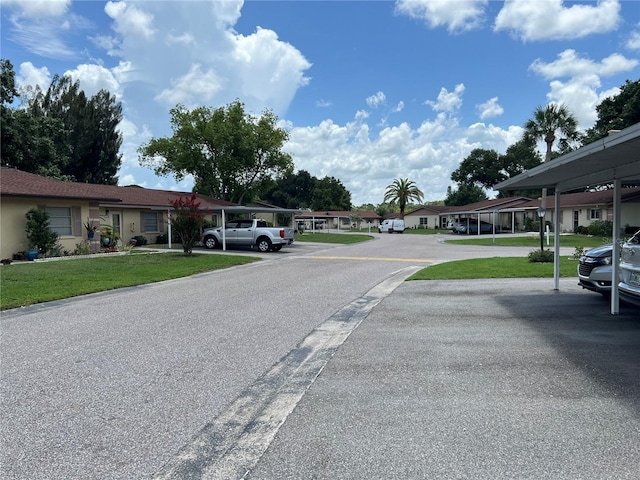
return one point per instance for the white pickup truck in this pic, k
(249, 233)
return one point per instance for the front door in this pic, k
(116, 225)
(576, 220)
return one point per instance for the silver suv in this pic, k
(595, 271)
(629, 285)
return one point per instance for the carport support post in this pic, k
(615, 255)
(556, 241)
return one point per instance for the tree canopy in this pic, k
(232, 155)
(617, 112)
(465, 194)
(61, 133)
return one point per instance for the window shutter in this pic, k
(76, 221)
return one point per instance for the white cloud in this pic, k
(29, 75)
(448, 101)
(570, 64)
(399, 107)
(130, 20)
(552, 20)
(575, 81)
(376, 100)
(323, 103)
(633, 43)
(192, 89)
(490, 108)
(458, 16)
(94, 78)
(39, 8)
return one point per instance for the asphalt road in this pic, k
(320, 362)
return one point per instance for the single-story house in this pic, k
(129, 211)
(428, 216)
(340, 220)
(576, 210)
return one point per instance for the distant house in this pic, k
(129, 211)
(340, 220)
(429, 216)
(576, 209)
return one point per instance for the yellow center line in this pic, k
(379, 259)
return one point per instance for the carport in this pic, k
(614, 160)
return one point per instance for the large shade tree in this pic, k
(403, 191)
(232, 155)
(617, 112)
(61, 133)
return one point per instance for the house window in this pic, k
(595, 214)
(424, 221)
(151, 221)
(60, 220)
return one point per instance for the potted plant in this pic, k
(90, 228)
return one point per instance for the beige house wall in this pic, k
(13, 222)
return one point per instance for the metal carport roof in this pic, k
(614, 159)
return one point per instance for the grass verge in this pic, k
(496, 267)
(532, 241)
(344, 238)
(36, 282)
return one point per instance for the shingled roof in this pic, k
(16, 183)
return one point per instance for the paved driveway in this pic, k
(192, 378)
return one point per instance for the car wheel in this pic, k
(264, 244)
(210, 242)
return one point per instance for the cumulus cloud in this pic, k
(448, 101)
(459, 16)
(192, 88)
(570, 64)
(94, 78)
(130, 20)
(552, 20)
(490, 108)
(29, 75)
(576, 81)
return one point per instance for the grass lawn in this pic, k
(35, 282)
(343, 238)
(530, 241)
(496, 267)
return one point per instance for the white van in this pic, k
(392, 225)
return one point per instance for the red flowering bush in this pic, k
(186, 221)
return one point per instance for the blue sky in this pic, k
(369, 91)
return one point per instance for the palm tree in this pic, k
(403, 191)
(545, 123)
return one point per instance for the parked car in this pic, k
(392, 225)
(629, 286)
(249, 233)
(471, 227)
(595, 270)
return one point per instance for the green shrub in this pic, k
(141, 240)
(544, 256)
(39, 234)
(580, 230)
(82, 248)
(601, 228)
